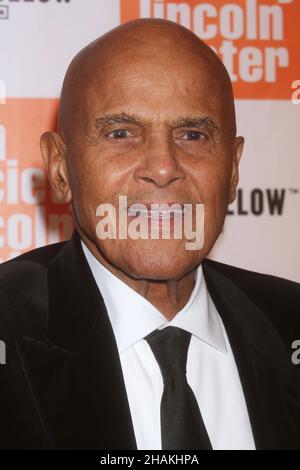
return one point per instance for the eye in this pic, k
(194, 135)
(119, 134)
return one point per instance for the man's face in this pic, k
(141, 139)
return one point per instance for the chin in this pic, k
(159, 263)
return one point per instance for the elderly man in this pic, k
(118, 342)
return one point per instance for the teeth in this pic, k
(156, 214)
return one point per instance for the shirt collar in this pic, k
(133, 317)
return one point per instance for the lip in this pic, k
(149, 211)
(164, 207)
(156, 215)
(149, 205)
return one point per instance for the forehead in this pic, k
(153, 86)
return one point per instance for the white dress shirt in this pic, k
(211, 368)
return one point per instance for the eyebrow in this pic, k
(125, 118)
(117, 118)
(205, 121)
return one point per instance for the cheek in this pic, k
(94, 183)
(103, 176)
(90, 184)
(211, 182)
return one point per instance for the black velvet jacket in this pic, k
(62, 385)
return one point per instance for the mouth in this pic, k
(157, 211)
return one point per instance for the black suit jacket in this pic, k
(62, 385)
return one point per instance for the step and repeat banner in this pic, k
(258, 41)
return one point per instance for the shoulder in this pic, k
(27, 267)
(277, 297)
(24, 289)
(42, 255)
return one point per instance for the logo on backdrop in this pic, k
(6, 4)
(30, 215)
(261, 201)
(254, 38)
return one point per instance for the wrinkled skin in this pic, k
(151, 74)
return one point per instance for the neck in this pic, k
(168, 296)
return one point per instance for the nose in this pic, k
(159, 165)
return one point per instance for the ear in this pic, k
(54, 152)
(238, 149)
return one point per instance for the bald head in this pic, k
(156, 45)
(146, 111)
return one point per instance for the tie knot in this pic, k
(170, 348)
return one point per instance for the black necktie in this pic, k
(182, 425)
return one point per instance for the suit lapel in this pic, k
(75, 374)
(75, 377)
(269, 380)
